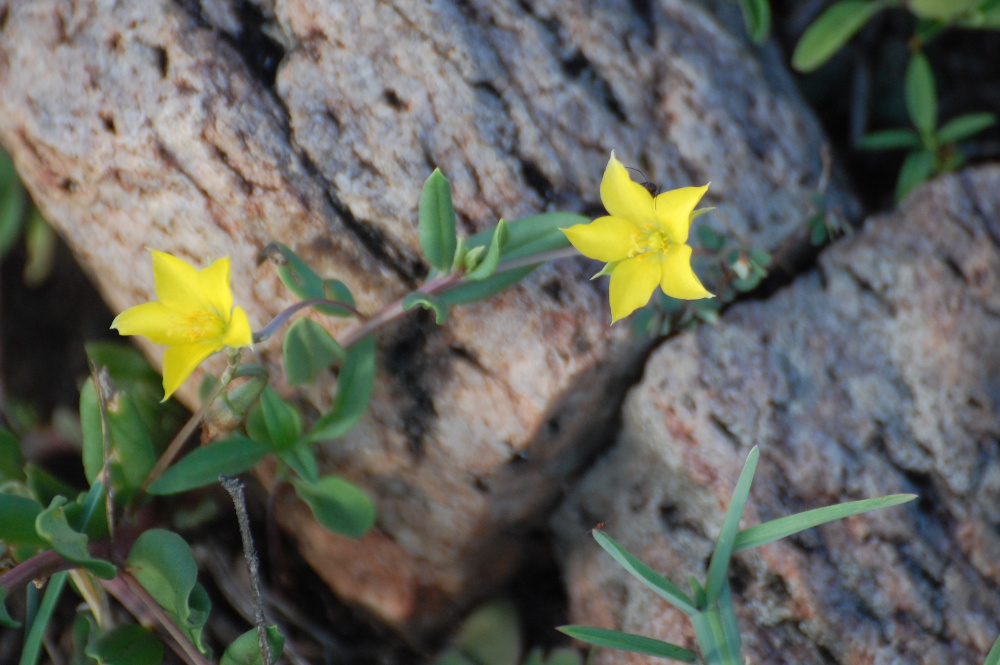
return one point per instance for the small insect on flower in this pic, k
(194, 316)
(649, 185)
(643, 240)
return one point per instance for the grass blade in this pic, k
(627, 642)
(730, 527)
(768, 532)
(645, 574)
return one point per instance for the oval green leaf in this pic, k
(127, 644)
(341, 507)
(354, 391)
(308, 349)
(921, 97)
(203, 466)
(831, 31)
(965, 126)
(436, 226)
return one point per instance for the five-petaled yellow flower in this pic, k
(643, 240)
(194, 316)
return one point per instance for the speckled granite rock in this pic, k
(140, 124)
(877, 373)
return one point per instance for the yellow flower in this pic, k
(643, 240)
(194, 316)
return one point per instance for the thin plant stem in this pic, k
(287, 313)
(38, 567)
(235, 488)
(127, 590)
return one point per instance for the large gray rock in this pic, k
(139, 125)
(877, 373)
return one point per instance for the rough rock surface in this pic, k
(877, 373)
(163, 124)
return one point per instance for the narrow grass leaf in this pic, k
(203, 466)
(627, 642)
(768, 532)
(730, 526)
(831, 31)
(889, 139)
(965, 126)
(645, 574)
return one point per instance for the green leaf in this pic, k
(245, 649)
(831, 30)
(993, 657)
(709, 239)
(130, 451)
(921, 98)
(298, 277)
(338, 505)
(6, 620)
(14, 204)
(308, 350)
(917, 167)
(645, 574)
(561, 656)
(889, 139)
(203, 466)
(437, 222)
(785, 526)
(501, 235)
(336, 290)
(757, 18)
(43, 485)
(965, 126)
(52, 524)
(40, 242)
(473, 291)
(162, 563)
(274, 422)
(302, 460)
(11, 457)
(730, 526)
(354, 392)
(627, 642)
(427, 301)
(942, 10)
(491, 635)
(127, 644)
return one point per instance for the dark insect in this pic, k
(650, 187)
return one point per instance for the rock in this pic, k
(162, 125)
(876, 373)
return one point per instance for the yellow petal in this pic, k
(673, 211)
(632, 283)
(153, 320)
(678, 279)
(605, 239)
(178, 285)
(624, 198)
(239, 333)
(214, 287)
(179, 361)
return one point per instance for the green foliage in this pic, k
(354, 390)
(14, 204)
(489, 636)
(308, 350)
(6, 620)
(127, 644)
(437, 222)
(274, 422)
(993, 657)
(710, 607)
(17, 526)
(429, 302)
(757, 17)
(921, 95)
(338, 505)
(832, 30)
(203, 466)
(53, 526)
(245, 649)
(477, 271)
(162, 563)
(300, 279)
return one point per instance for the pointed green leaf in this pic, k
(274, 422)
(645, 574)
(769, 532)
(308, 350)
(354, 391)
(627, 642)
(486, 267)
(831, 30)
(341, 507)
(302, 460)
(993, 657)
(917, 167)
(965, 126)
(203, 466)
(437, 222)
(730, 526)
(127, 644)
(921, 97)
(889, 139)
(162, 563)
(942, 10)
(427, 301)
(336, 290)
(298, 277)
(245, 649)
(757, 18)
(52, 524)
(17, 521)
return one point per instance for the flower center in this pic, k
(200, 325)
(649, 238)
